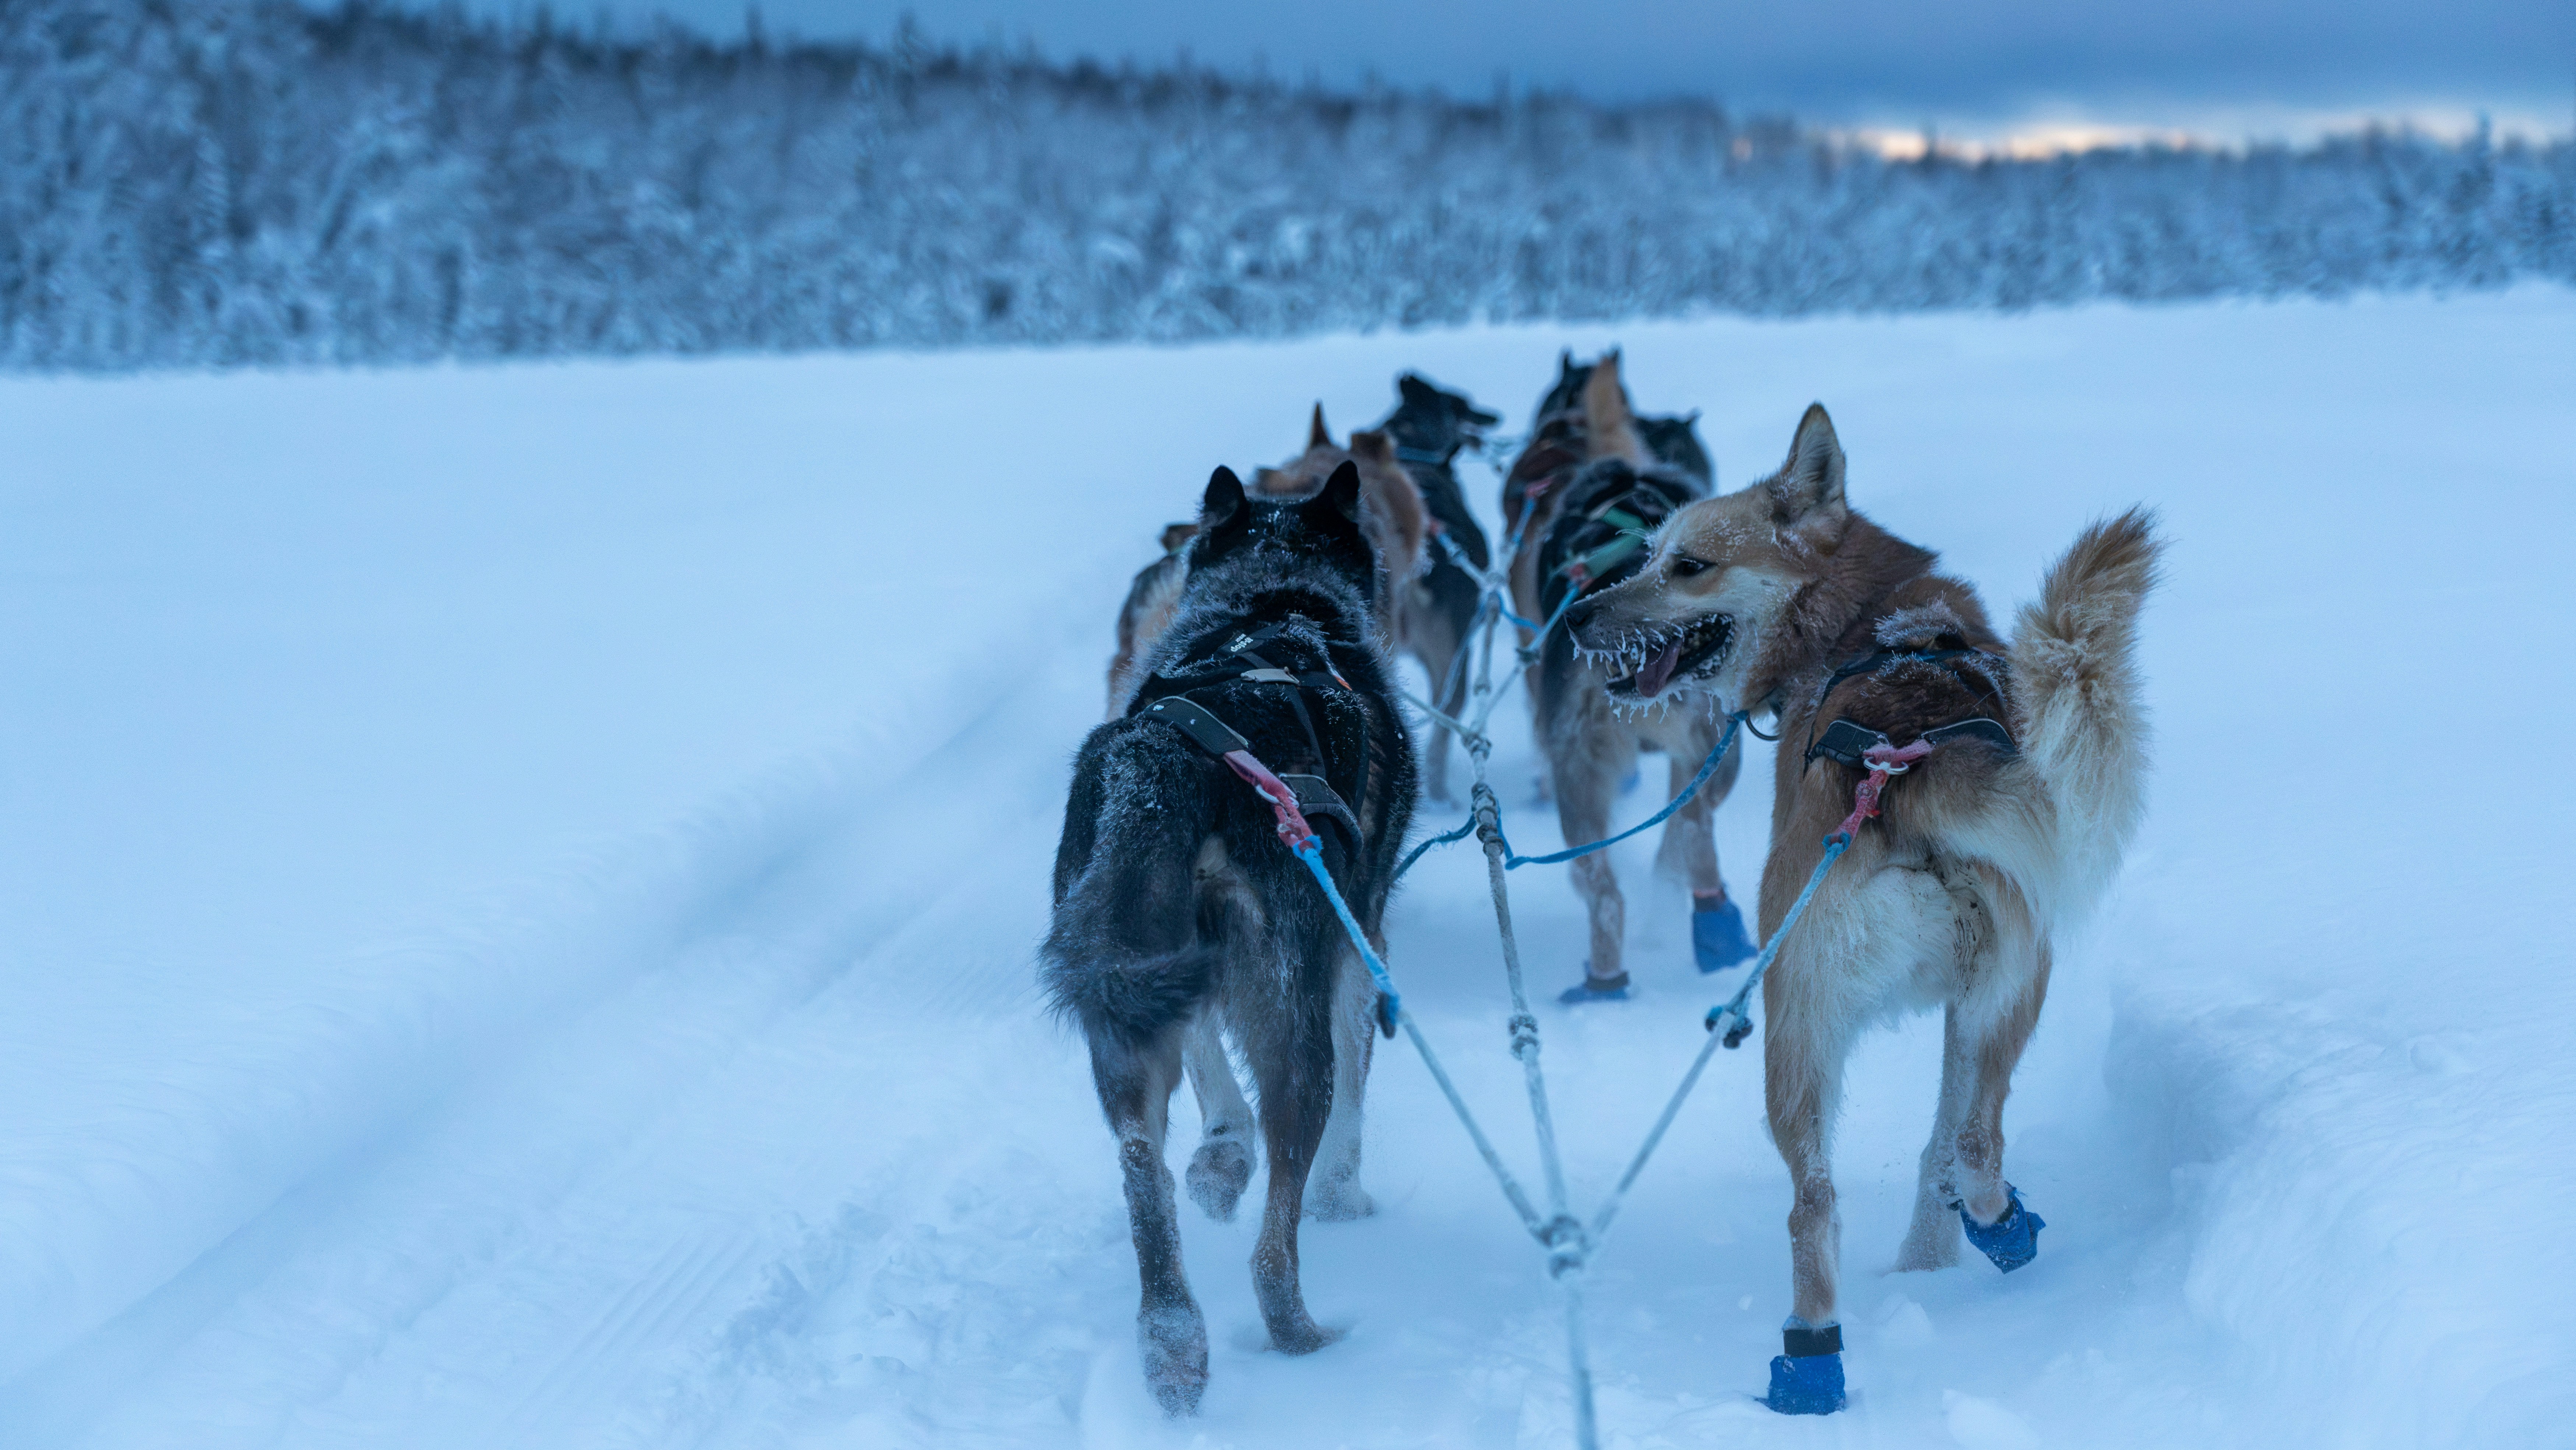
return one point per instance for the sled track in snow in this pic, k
(753, 1134)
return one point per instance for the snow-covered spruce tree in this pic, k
(224, 182)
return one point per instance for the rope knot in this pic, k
(1884, 763)
(1524, 1030)
(1894, 759)
(1568, 1246)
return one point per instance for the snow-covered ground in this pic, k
(517, 890)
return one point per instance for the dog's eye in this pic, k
(1685, 566)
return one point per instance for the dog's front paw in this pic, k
(1718, 937)
(1304, 1338)
(1806, 1386)
(1339, 1202)
(1173, 1342)
(1932, 1242)
(1218, 1172)
(2012, 1240)
(1807, 1378)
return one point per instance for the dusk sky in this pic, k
(2227, 68)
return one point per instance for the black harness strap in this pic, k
(1845, 738)
(1599, 539)
(1213, 735)
(1239, 658)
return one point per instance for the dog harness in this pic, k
(1872, 751)
(1600, 538)
(1239, 658)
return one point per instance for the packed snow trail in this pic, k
(695, 735)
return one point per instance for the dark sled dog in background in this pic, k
(1782, 597)
(1430, 426)
(1177, 906)
(1593, 478)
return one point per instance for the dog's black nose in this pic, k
(1578, 614)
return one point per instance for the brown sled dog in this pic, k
(1414, 618)
(1397, 521)
(1781, 597)
(1592, 464)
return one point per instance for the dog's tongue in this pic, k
(1659, 670)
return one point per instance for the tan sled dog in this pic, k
(1593, 477)
(1152, 600)
(1399, 524)
(1781, 597)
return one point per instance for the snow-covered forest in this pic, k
(246, 181)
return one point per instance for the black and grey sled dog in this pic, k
(1178, 907)
(1430, 426)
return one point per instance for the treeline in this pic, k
(221, 182)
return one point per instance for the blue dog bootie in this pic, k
(1718, 938)
(2012, 1240)
(1593, 989)
(1808, 1379)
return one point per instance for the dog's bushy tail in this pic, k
(2084, 723)
(1126, 954)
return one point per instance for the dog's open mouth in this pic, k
(1660, 659)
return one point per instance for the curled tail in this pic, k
(2083, 724)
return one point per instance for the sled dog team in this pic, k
(2009, 773)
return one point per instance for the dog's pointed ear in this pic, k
(1375, 446)
(1317, 435)
(1810, 484)
(1607, 423)
(1224, 498)
(1342, 491)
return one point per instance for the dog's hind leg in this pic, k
(1587, 768)
(1223, 1163)
(1136, 1082)
(1437, 635)
(1932, 1239)
(1335, 1195)
(1802, 1061)
(1995, 1052)
(1292, 1066)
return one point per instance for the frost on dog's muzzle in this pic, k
(1650, 660)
